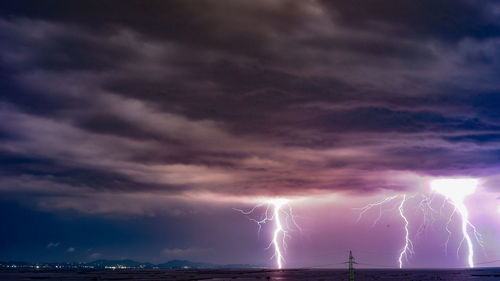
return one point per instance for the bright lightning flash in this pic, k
(282, 217)
(278, 229)
(408, 244)
(408, 247)
(455, 191)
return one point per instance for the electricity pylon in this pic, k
(351, 266)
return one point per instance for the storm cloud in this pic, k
(204, 99)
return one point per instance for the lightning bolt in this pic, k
(408, 247)
(455, 191)
(283, 219)
(448, 229)
(378, 204)
(278, 229)
(428, 213)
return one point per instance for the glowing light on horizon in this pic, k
(455, 192)
(280, 232)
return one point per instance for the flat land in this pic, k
(255, 274)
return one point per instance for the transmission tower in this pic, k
(351, 266)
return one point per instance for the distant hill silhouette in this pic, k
(173, 264)
(103, 263)
(127, 263)
(185, 263)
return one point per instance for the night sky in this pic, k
(134, 129)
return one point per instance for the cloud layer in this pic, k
(104, 106)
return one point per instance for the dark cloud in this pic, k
(444, 20)
(242, 98)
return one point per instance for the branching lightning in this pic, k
(379, 204)
(428, 213)
(455, 191)
(408, 244)
(280, 211)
